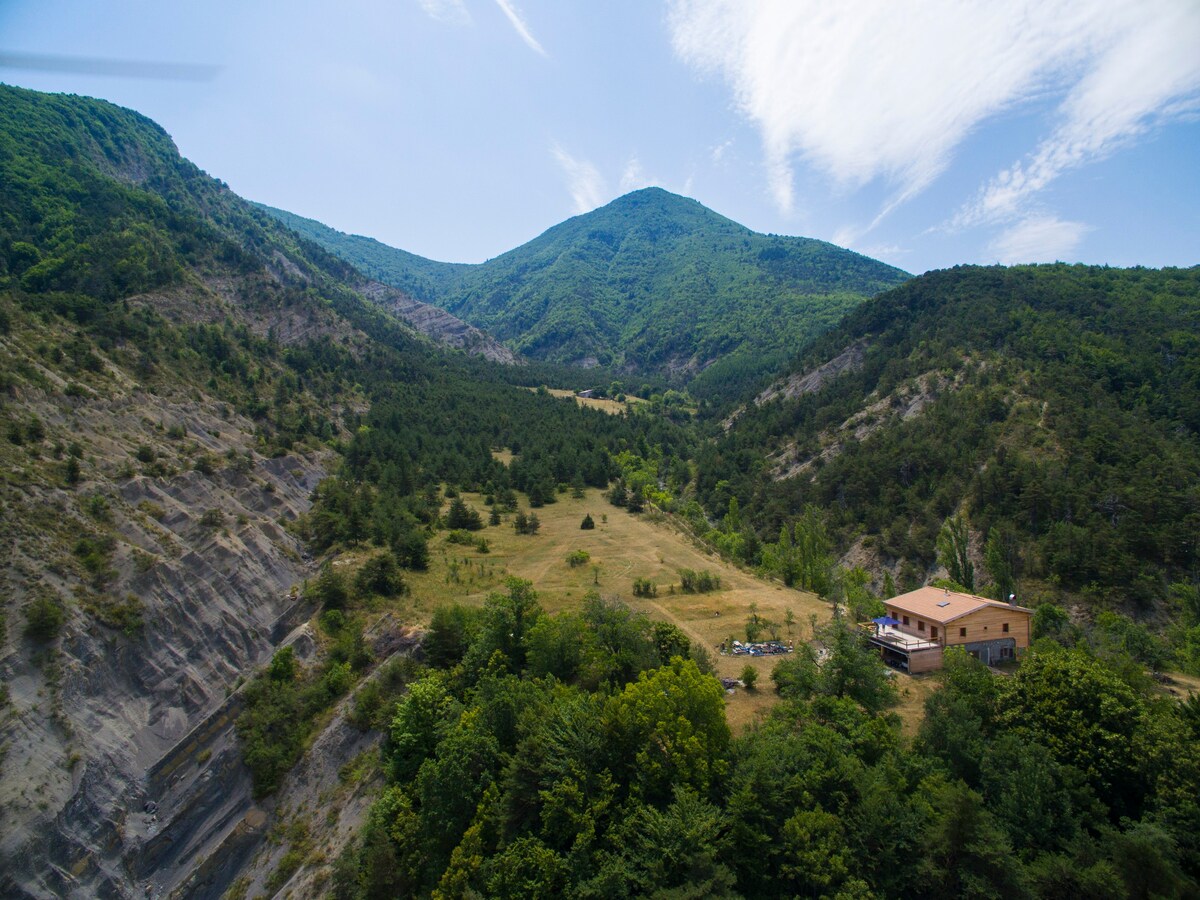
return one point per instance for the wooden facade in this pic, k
(931, 619)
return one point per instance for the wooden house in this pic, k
(921, 624)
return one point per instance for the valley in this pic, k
(313, 586)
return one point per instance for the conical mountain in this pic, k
(652, 282)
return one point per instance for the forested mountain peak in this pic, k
(178, 373)
(651, 282)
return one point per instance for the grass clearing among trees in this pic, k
(624, 546)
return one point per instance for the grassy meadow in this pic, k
(621, 547)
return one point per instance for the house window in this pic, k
(920, 625)
(933, 631)
(1005, 652)
(1004, 628)
(906, 620)
(962, 632)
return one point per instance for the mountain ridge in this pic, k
(1058, 406)
(651, 282)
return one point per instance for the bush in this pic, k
(526, 524)
(44, 619)
(125, 615)
(577, 558)
(212, 519)
(702, 582)
(587, 524)
(329, 589)
(644, 587)
(749, 677)
(380, 575)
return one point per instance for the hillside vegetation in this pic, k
(297, 601)
(1057, 408)
(652, 282)
(178, 373)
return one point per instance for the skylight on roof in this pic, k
(944, 603)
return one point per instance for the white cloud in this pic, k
(519, 24)
(1039, 239)
(634, 176)
(718, 152)
(584, 181)
(885, 89)
(1148, 72)
(452, 12)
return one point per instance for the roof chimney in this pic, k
(1012, 599)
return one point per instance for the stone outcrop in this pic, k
(109, 730)
(436, 323)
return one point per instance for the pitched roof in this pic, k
(938, 605)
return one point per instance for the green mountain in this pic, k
(182, 380)
(652, 282)
(1056, 407)
(194, 402)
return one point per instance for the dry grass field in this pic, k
(612, 407)
(622, 547)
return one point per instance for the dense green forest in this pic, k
(1058, 407)
(587, 755)
(653, 282)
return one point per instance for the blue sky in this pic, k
(922, 132)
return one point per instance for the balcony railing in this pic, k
(891, 636)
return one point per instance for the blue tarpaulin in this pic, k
(886, 620)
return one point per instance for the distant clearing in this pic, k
(621, 549)
(1180, 686)
(612, 407)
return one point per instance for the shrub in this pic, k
(212, 519)
(587, 524)
(749, 677)
(44, 619)
(702, 582)
(644, 587)
(125, 615)
(577, 558)
(462, 516)
(329, 589)
(380, 575)
(526, 524)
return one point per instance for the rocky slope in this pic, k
(436, 323)
(174, 368)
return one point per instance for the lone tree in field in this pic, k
(749, 677)
(587, 524)
(462, 516)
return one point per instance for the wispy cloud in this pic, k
(584, 181)
(453, 12)
(1142, 75)
(1039, 239)
(634, 177)
(519, 24)
(884, 89)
